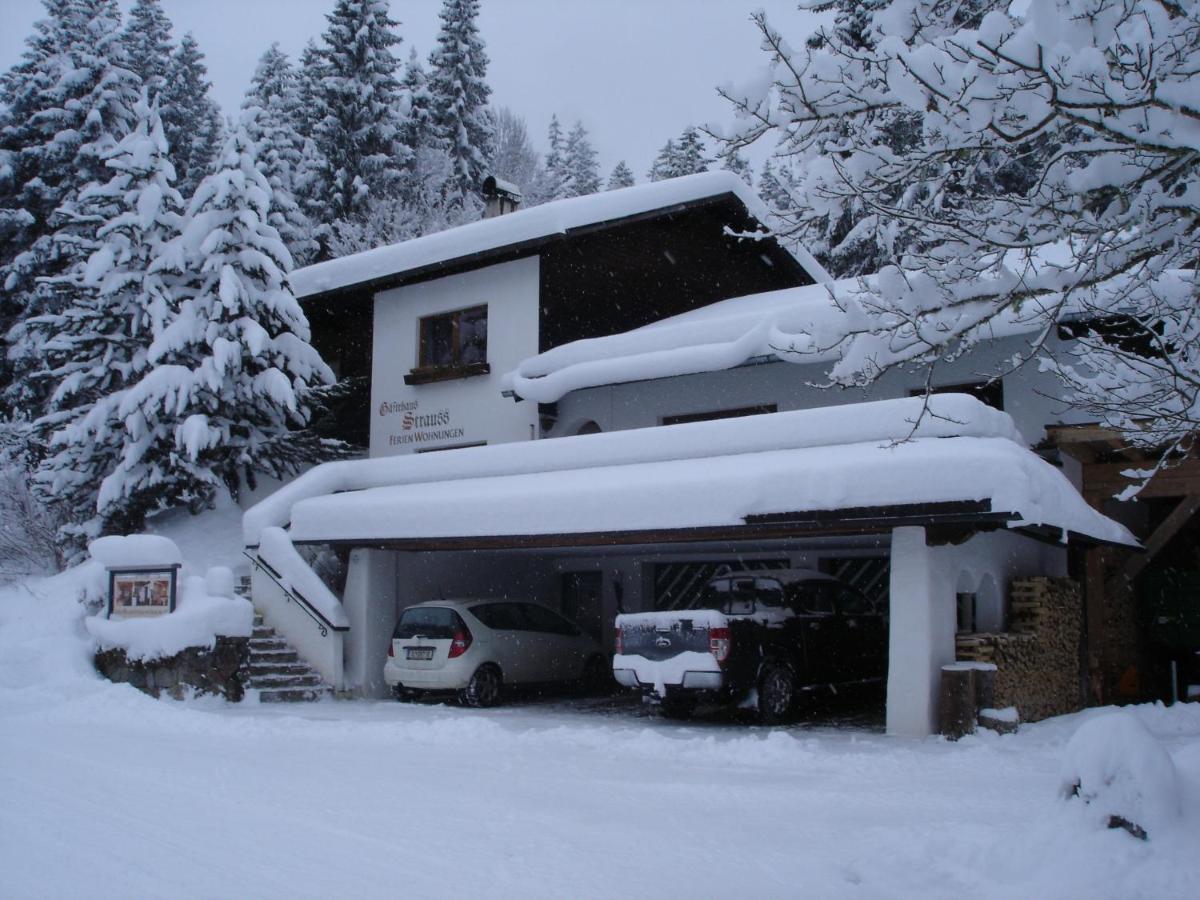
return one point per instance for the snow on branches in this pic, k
(1037, 164)
(230, 373)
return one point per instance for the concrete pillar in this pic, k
(914, 654)
(370, 604)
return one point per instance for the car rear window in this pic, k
(435, 622)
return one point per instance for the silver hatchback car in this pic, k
(478, 647)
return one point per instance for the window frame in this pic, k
(426, 371)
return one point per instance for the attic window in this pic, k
(451, 345)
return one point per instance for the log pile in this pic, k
(1039, 658)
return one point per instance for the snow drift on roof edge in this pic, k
(880, 422)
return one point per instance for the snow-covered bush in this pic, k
(1122, 773)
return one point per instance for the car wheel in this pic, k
(594, 677)
(776, 694)
(483, 690)
(678, 707)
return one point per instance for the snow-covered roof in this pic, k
(696, 475)
(557, 217)
(719, 336)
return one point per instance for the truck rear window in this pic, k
(435, 622)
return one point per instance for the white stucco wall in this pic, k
(790, 386)
(370, 602)
(465, 410)
(924, 582)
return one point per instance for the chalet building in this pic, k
(435, 322)
(646, 333)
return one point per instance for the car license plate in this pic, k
(418, 653)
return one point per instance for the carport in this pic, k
(958, 504)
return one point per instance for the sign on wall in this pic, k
(411, 426)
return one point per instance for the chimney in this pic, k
(499, 196)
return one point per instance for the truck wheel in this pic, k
(776, 694)
(678, 707)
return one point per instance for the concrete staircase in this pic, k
(276, 671)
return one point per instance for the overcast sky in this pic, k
(635, 71)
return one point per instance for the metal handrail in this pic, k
(292, 594)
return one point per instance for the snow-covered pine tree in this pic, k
(232, 372)
(416, 129)
(191, 118)
(273, 92)
(775, 187)
(551, 181)
(308, 89)
(458, 85)
(148, 42)
(74, 109)
(734, 162)
(666, 164)
(621, 177)
(359, 105)
(690, 156)
(96, 347)
(579, 164)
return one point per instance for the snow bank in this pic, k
(1118, 769)
(524, 225)
(198, 619)
(882, 422)
(276, 550)
(132, 551)
(44, 650)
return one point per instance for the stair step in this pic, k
(290, 695)
(305, 680)
(262, 631)
(259, 668)
(267, 644)
(273, 655)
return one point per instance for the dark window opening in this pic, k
(711, 415)
(966, 613)
(989, 392)
(451, 345)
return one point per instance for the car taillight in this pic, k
(718, 644)
(391, 648)
(619, 644)
(461, 642)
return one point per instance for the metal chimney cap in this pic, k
(498, 187)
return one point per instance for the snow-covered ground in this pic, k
(107, 792)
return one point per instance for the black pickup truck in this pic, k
(761, 638)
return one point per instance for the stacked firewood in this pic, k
(1039, 657)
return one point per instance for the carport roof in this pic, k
(714, 488)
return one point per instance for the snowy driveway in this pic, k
(109, 793)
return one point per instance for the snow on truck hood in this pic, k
(703, 474)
